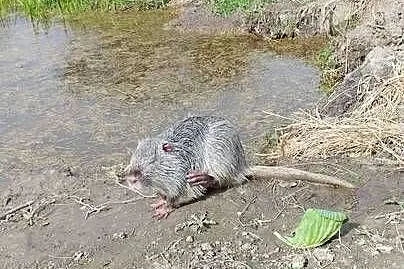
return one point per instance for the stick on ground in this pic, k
(15, 209)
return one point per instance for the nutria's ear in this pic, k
(167, 147)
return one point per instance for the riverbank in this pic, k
(361, 116)
(362, 72)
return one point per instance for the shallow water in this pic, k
(81, 93)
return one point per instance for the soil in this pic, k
(89, 221)
(85, 219)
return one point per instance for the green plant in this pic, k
(228, 7)
(45, 9)
(6, 6)
(331, 73)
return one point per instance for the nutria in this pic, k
(196, 154)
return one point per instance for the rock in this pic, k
(120, 235)
(287, 184)
(206, 246)
(383, 248)
(189, 239)
(378, 64)
(323, 254)
(246, 247)
(299, 261)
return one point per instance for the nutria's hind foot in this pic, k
(161, 208)
(199, 178)
(159, 203)
(162, 212)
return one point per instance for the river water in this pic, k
(82, 93)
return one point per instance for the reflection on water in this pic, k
(83, 93)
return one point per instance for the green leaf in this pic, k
(316, 228)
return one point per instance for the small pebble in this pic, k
(189, 239)
(299, 261)
(246, 246)
(383, 248)
(120, 235)
(206, 246)
(287, 184)
(324, 254)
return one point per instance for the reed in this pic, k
(45, 9)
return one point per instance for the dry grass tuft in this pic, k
(371, 129)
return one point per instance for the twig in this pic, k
(247, 206)
(293, 193)
(91, 208)
(277, 115)
(340, 241)
(399, 242)
(135, 190)
(127, 94)
(101, 207)
(390, 214)
(240, 214)
(15, 209)
(167, 248)
(35, 211)
(278, 214)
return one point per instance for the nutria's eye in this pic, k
(167, 147)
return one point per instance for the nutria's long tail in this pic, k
(286, 173)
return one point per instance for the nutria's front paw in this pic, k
(199, 178)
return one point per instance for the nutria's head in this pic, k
(146, 162)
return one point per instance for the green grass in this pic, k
(6, 6)
(45, 9)
(331, 74)
(228, 7)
